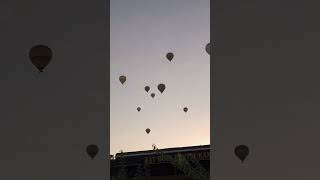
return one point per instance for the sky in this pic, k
(142, 32)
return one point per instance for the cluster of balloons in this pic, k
(161, 87)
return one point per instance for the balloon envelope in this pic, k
(139, 108)
(170, 56)
(241, 151)
(147, 88)
(152, 95)
(208, 48)
(40, 56)
(161, 87)
(122, 79)
(92, 150)
(185, 109)
(148, 130)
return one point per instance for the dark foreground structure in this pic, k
(185, 163)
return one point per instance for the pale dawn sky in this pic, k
(142, 32)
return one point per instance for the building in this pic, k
(172, 163)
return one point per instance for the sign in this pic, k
(166, 158)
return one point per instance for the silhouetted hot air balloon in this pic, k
(152, 95)
(147, 88)
(208, 48)
(40, 56)
(185, 109)
(148, 130)
(170, 56)
(161, 87)
(138, 108)
(241, 151)
(92, 150)
(122, 79)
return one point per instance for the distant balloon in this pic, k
(185, 109)
(122, 79)
(161, 87)
(208, 48)
(92, 150)
(170, 56)
(139, 108)
(241, 151)
(152, 95)
(148, 130)
(40, 56)
(147, 88)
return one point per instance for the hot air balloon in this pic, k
(40, 56)
(147, 88)
(161, 87)
(148, 130)
(241, 152)
(122, 79)
(138, 108)
(152, 95)
(185, 109)
(170, 56)
(208, 48)
(92, 150)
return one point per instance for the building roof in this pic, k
(166, 150)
